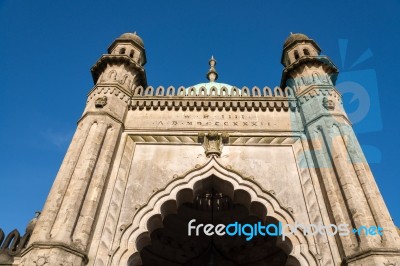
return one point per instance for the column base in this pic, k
(46, 254)
(373, 257)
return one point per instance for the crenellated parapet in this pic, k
(11, 245)
(14, 243)
(214, 98)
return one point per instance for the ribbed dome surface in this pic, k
(295, 37)
(134, 37)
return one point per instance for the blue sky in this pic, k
(48, 47)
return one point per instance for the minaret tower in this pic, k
(352, 196)
(64, 229)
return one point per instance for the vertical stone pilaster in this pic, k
(337, 205)
(63, 232)
(83, 228)
(53, 202)
(349, 185)
(374, 199)
(68, 212)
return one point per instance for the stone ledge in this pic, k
(204, 103)
(372, 252)
(62, 246)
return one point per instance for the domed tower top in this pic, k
(304, 64)
(129, 44)
(296, 46)
(123, 64)
(132, 36)
(295, 37)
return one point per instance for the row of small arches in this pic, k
(123, 51)
(305, 52)
(223, 92)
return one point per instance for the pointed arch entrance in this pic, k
(217, 194)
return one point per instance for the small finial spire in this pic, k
(212, 74)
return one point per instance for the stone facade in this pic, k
(144, 160)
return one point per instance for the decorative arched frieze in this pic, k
(138, 91)
(235, 92)
(224, 91)
(181, 91)
(278, 92)
(267, 92)
(112, 75)
(202, 91)
(149, 91)
(256, 92)
(160, 91)
(213, 91)
(192, 92)
(289, 92)
(245, 91)
(108, 90)
(170, 91)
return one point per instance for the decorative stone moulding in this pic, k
(100, 102)
(332, 94)
(99, 92)
(106, 60)
(213, 142)
(323, 61)
(200, 98)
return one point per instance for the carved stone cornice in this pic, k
(214, 103)
(387, 252)
(315, 91)
(327, 64)
(48, 245)
(319, 88)
(100, 113)
(334, 115)
(125, 60)
(110, 89)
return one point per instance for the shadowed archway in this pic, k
(149, 233)
(170, 244)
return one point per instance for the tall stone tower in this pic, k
(146, 162)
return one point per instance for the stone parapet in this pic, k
(214, 99)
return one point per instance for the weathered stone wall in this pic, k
(290, 151)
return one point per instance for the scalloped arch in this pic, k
(166, 201)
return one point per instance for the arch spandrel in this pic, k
(147, 218)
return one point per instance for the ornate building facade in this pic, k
(146, 161)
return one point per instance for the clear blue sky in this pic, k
(48, 47)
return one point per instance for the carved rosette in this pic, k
(389, 263)
(213, 142)
(41, 260)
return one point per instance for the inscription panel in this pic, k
(213, 120)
